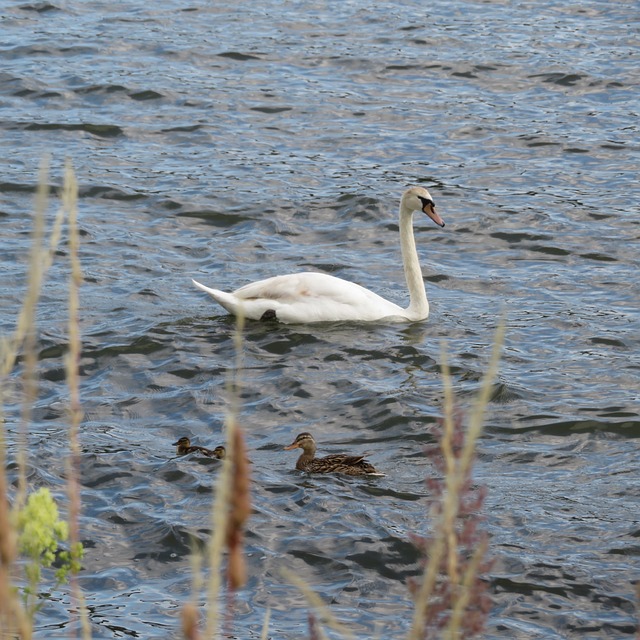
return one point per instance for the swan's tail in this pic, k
(226, 300)
(212, 292)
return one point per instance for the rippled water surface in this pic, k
(231, 141)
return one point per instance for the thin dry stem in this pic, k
(315, 630)
(427, 585)
(28, 330)
(195, 560)
(476, 419)
(13, 617)
(219, 517)
(14, 620)
(453, 479)
(463, 596)
(438, 548)
(70, 202)
(39, 263)
(317, 603)
(239, 511)
(220, 507)
(265, 625)
(190, 619)
(457, 469)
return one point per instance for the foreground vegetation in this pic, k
(450, 597)
(31, 533)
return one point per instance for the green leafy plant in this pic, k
(40, 532)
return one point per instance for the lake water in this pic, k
(230, 142)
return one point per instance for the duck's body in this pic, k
(184, 446)
(319, 297)
(334, 463)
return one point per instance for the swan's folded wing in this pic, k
(314, 296)
(294, 287)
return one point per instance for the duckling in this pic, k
(335, 463)
(184, 446)
(220, 452)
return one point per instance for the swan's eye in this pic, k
(425, 202)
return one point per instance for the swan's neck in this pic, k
(419, 305)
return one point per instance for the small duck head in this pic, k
(303, 441)
(220, 452)
(182, 445)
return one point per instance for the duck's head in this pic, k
(303, 441)
(419, 199)
(182, 443)
(220, 452)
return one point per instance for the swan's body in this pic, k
(319, 297)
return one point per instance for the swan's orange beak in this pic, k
(430, 210)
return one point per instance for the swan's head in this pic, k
(419, 199)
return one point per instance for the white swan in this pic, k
(319, 297)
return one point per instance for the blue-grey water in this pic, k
(233, 141)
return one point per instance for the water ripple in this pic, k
(203, 153)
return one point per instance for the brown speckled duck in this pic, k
(334, 463)
(184, 446)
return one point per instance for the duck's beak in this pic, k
(175, 444)
(430, 210)
(293, 445)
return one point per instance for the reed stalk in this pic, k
(316, 602)
(230, 509)
(444, 548)
(13, 617)
(265, 625)
(72, 363)
(27, 331)
(219, 524)
(16, 621)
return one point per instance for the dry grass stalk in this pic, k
(450, 601)
(219, 517)
(27, 331)
(317, 603)
(231, 506)
(638, 609)
(40, 261)
(14, 620)
(14, 623)
(69, 203)
(315, 632)
(190, 621)
(239, 511)
(265, 625)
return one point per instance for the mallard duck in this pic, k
(320, 297)
(184, 446)
(334, 463)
